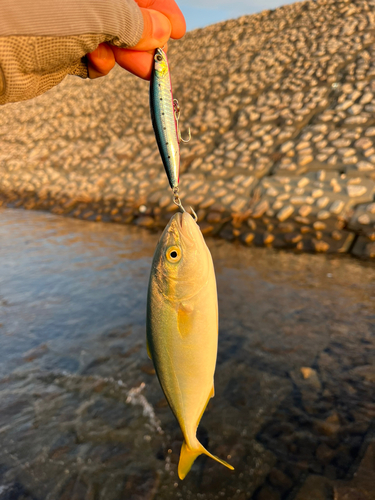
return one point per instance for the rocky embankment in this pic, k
(281, 107)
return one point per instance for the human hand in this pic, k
(162, 20)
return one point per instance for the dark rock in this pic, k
(280, 480)
(315, 488)
(267, 493)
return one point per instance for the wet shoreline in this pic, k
(235, 229)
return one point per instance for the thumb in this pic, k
(100, 61)
(156, 30)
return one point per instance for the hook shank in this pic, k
(177, 111)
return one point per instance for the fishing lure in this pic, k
(165, 114)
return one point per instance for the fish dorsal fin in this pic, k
(184, 319)
(148, 350)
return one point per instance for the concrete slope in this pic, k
(281, 107)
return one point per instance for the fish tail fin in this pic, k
(188, 456)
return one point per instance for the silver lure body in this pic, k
(163, 117)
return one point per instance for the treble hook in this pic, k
(195, 216)
(176, 108)
(177, 201)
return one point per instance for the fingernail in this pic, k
(161, 27)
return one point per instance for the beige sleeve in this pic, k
(42, 41)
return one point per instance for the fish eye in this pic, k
(173, 254)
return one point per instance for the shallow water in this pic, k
(82, 415)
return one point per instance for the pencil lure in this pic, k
(182, 328)
(165, 114)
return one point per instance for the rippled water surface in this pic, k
(82, 415)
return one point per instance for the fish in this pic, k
(165, 114)
(182, 328)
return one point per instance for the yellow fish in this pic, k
(182, 328)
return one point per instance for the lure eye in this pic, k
(173, 254)
(158, 57)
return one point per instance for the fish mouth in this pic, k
(175, 227)
(187, 226)
(177, 224)
(178, 218)
(184, 225)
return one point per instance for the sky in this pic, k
(200, 13)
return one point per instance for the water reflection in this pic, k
(82, 415)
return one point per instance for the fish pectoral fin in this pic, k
(184, 319)
(186, 307)
(148, 350)
(188, 456)
(212, 393)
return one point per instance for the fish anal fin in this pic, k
(211, 395)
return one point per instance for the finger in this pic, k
(100, 61)
(156, 30)
(171, 10)
(138, 63)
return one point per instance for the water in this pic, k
(82, 415)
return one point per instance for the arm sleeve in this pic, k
(42, 41)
